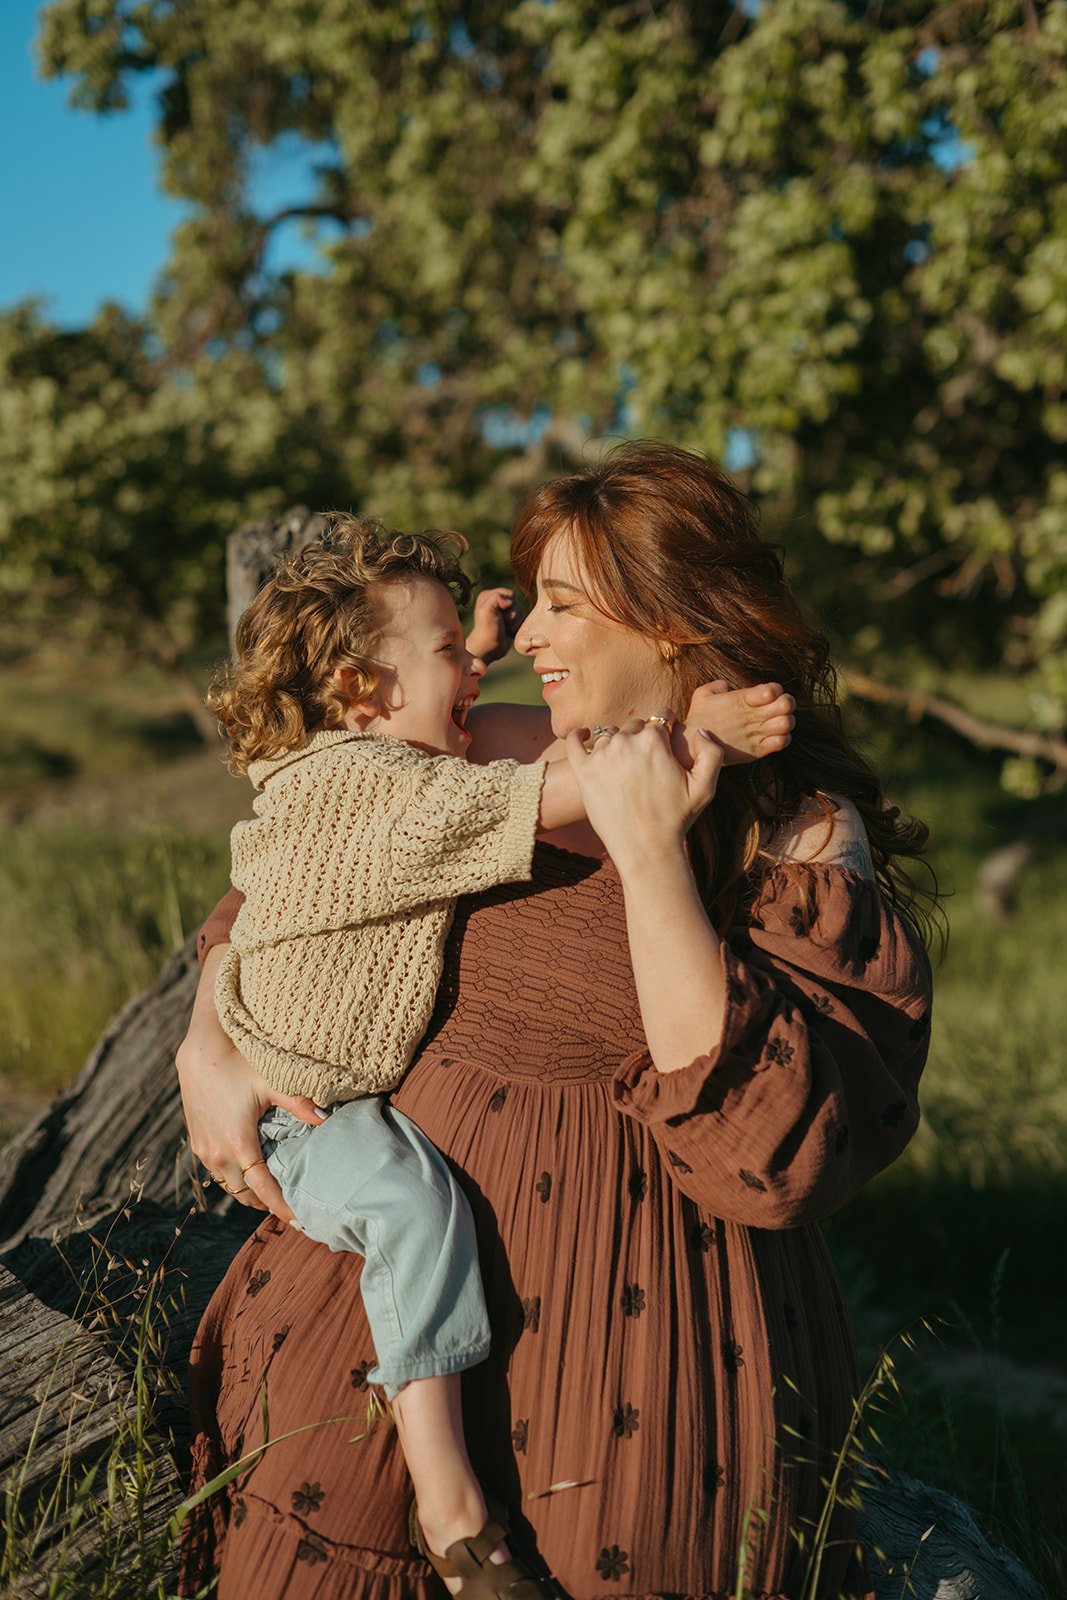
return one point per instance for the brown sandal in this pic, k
(468, 1559)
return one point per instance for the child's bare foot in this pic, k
(748, 723)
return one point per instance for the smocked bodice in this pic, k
(544, 970)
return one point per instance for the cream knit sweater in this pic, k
(360, 846)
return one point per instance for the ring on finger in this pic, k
(658, 722)
(599, 732)
(246, 1188)
(260, 1161)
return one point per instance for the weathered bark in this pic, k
(117, 1129)
(251, 553)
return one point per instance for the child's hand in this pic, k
(748, 723)
(496, 622)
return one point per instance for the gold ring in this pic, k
(261, 1161)
(658, 722)
(245, 1188)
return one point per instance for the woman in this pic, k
(653, 1074)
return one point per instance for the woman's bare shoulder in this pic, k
(839, 840)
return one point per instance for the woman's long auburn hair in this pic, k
(669, 546)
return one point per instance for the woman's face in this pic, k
(592, 668)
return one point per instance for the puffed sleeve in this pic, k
(813, 1087)
(218, 925)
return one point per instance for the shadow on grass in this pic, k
(983, 1406)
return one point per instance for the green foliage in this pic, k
(841, 229)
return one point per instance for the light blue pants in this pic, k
(368, 1180)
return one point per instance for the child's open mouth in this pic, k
(460, 709)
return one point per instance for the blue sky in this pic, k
(84, 220)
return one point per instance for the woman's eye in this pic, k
(556, 609)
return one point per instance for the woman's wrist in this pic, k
(653, 864)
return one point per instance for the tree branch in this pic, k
(986, 735)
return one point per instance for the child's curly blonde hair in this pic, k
(315, 614)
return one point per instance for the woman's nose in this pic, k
(527, 641)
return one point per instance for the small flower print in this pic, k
(497, 1102)
(822, 1002)
(702, 1236)
(544, 1187)
(279, 1338)
(780, 1051)
(639, 1184)
(624, 1423)
(308, 1497)
(894, 1114)
(677, 1163)
(714, 1477)
(732, 1355)
(613, 1562)
(736, 991)
(633, 1300)
(446, 1061)
(790, 1316)
(798, 921)
(258, 1280)
(841, 1139)
(359, 1376)
(310, 1551)
(752, 1181)
(240, 1511)
(520, 1435)
(531, 1313)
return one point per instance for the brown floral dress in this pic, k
(673, 1368)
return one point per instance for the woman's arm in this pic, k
(223, 1099)
(641, 801)
(781, 1071)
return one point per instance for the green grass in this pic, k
(117, 846)
(87, 916)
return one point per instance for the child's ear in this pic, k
(352, 684)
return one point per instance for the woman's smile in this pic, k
(592, 668)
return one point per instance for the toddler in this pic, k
(346, 705)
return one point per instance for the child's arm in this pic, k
(747, 723)
(495, 623)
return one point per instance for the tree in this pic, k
(824, 240)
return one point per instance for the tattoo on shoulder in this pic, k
(854, 854)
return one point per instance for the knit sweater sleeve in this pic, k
(346, 838)
(465, 829)
(812, 1089)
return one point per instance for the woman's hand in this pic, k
(642, 786)
(223, 1099)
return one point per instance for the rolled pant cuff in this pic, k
(396, 1375)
